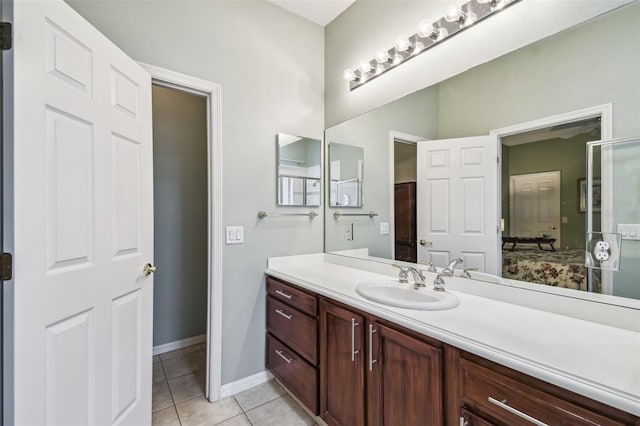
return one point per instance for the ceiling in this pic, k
(319, 11)
(561, 131)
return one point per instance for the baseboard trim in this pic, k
(243, 384)
(179, 344)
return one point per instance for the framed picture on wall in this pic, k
(596, 196)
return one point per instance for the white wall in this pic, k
(367, 26)
(269, 63)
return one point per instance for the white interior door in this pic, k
(534, 206)
(457, 204)
(83, 223)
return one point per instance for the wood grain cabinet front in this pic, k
(342, 395)
(292, 340)
(505, 397)
(365, 363)
(296, 374)
(404, 379)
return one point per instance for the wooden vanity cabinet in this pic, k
(342, 391)
(404, 379)
(356, 369)
(489, 393)
(375, 374)
(292, 340)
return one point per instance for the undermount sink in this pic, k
(393, 293)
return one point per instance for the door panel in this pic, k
(70, 387)
(535, 205)
(457, 201)
(83, 223)
(342, 378)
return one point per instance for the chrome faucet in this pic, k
(418, 278)
(448, 270)
(438, 283)
(430, 266)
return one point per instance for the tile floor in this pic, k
(178, 397)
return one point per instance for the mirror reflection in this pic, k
(299, 171)
(345, 175)
(524, 217)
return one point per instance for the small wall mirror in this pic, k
(345, 175)
(299, 171)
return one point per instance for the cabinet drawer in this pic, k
(294, 328)
(510, 402)
(292, 296)
(295, 373)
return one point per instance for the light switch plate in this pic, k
(384, 228)
(629, 231)
(235, 234)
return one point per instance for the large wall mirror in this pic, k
(299, 171)
(491, 165)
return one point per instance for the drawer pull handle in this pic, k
(371, 360)
(283, 356)
(353, 339)
(503, 404)
(284, 294)
(463, 421)
(284, 314)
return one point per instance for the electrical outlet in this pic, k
(348, 232)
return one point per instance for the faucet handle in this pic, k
(431, 266)
(466, 271)
(403, 274)
(438, 283)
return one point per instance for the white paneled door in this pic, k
(83, 223)
(535, 205)
(457, 202)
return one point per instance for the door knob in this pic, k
(148, 269)
(425, 243)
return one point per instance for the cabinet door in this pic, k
(404, 379)
(341, 369)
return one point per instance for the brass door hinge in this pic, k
(6, 38)
(6, 266)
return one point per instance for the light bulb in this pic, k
(349, 75)
(397, 58)
(425, 28)
(403, 44)
(455, 14)
(493, 4)
(365, 67)
(382, 57)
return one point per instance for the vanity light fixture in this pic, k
(456, 19)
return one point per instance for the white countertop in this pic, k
(592, 359)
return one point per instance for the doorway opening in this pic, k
(177, 185)
(403, 221)
(543, 226)
(180, 188)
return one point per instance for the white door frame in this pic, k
(605, 112)
(395, 136)
(212, 92)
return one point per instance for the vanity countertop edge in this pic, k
(582, 361)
